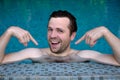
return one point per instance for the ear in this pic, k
(73, 35)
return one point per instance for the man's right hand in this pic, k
(23, 35)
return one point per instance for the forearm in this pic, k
(4, 39)
(114, 42)
(105, 59)
(99, 57)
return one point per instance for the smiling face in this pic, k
(59, 34)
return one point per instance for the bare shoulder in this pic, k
(33, 52)
(27, 53)
(30, 50)
(84, 51)
(88, 53)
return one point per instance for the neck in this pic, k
(64, 53)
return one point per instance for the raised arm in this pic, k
(93, 35)
(22, 35)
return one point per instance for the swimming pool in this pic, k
(32, 15)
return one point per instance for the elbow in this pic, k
(1, 60)
(117, 58)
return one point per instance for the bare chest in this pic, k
(70, 58)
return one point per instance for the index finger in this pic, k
(33, 40)
(81, 39)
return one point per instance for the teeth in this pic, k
(54, 42)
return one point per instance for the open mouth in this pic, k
(54, 44)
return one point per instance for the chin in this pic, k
(55, 51)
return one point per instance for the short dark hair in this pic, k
(60, 13)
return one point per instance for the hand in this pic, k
(23, 35)
(92, 36)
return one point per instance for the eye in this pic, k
(49, 29)
(60, 30)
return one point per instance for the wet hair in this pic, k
(72, 26)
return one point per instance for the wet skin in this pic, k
(50, 58)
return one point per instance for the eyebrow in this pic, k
(55, 28)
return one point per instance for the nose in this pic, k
(53, 34)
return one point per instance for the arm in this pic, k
(28, 53)
(98, 57)
(23, 36)
(93, 35)
(3, 42)
(114, 43)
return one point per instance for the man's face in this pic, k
(58, 34)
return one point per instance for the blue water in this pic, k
(32, 15)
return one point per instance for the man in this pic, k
(62, 29)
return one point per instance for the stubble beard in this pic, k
(59, 50)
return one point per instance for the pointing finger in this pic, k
(81, 39)
(33, 40)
